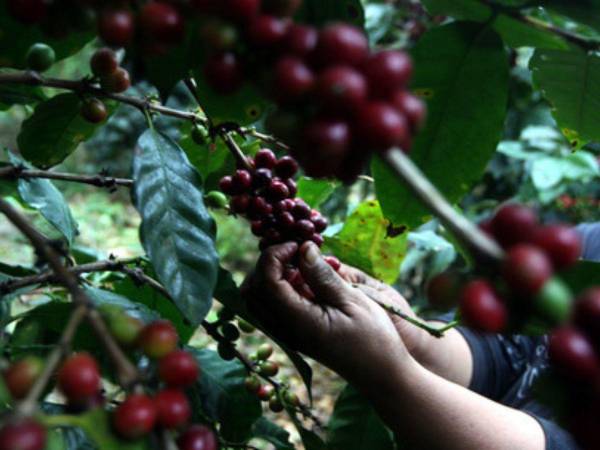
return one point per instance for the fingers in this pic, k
(326, 284)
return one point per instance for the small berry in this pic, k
(333, 262)
(387, 71)
(262, 177)
(291, 399)
(285, 220)
(265, 392)
(587, 312)
(513, 224)
(265, 158)
(320, 223)
(245, 326)
(301, 40)
(198, 437)
(277, 190)
(482, 308)
(79, 377)
(123, 327)
(219, 35)
(226, 185)
(178, 369)
(382, 126)
(161, 21)
(215, 199)
(27, 11)
(341, 89)
(264, 351)
(22, 374)
(104, 62)
(293, 79)
(561, 243)
(135, 417)
(172, 408)
(554, 301)
(301, 210)
(572, 354)
(257, 228)
(230, 332)
(284, 205)
(241, 181)
(25, 434)
(226, 351)
(328, 140)
(526, 268)
(158, 339)
(94, 110)
(267, 31)
(317, 239)
(286, 167)
(343, 44)
(304, 229)
(268, 368)
(40, 57)
(239, 204)
(259, 208)
(252, 384)
(224, 73)
(292, 187)
(116, 27)
(275, 405)
(412, 107)
(116, 82)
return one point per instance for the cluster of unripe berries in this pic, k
(527, 295)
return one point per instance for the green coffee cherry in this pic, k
(246, 327)
(40, 57)
(553, 302)
(216, 199)
(268, 368)
(230, 332)
(290, 398)
(264, 351)
(252, 384)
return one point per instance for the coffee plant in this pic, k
(263, 109)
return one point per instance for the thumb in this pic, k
(326, 284)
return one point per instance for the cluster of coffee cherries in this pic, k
(79, 380)
(527, 294)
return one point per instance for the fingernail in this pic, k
(312, 254)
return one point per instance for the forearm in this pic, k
(429, 412)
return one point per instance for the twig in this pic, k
(99, 180)
(266, 138)
(465, 231)
(126, 371)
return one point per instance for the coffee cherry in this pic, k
(293, 79)
(226, 185)
(320, 223)
(123, 327)
(116, 27)
(198, 437)
(226, 351)
(343, 44)
(387, 71)
(317, 239)
(230, 332)
(277, 190)
(268, 368)
(561, 243)
(265, 392)
(265, 158)
(301, 210)
(291, 399)
(241, 10)
(587, 312)
(158, 339)
(219, 35)
(482, 308)
(161, 21)
(135, 417)
(264, 351)
(292, 187)
(262, 177)
(304, 229)
(239, 204)
(443, 290)
(301, 40)
(241, 181)
(245, 326)
(333, 262)
(341, 89)
(382, 127)
(27, 11)
(178, 369)
(22, 374)
(328, 141)
(526, 269)
(513, 224)
(116, 82)
(285, 220)
(224, 73)
(79, 377)
(553, 301)
(572, 354)
(275, 405)
(252, 384)
(40, 57)
(215, 199)
(172, 408)
(281, 7)
(286, 167)
(259, 208)
(25, 434)
(94, 110)
(411, 107)
(284, 205)
(104, 62)
(257, 228)
(267, 31)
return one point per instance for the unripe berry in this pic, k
(79, 377)
(341, 89)
(245, 326)
(513, 224)
(268, 368)
(561, 243)
(198, 437)
(387, 71)
(27, 11)
(178, 369)
(22, 374)
(275, 405)
(286, 167)
(265, 158)
(172, 408)
(40, 57)
(267, 31)
(158, 339)
(482, 308)
(301, 40)
(116, 82)
(343, 44)
(443, 290)
(224, 73)
(94, 110)
(381, 126)
(291, 399)
(526, 269)
(215, 199)
(264, 351)
(135, 417)
(116, 27)
(572, 354)
(25, 434)
(293, 79)
(252, 384)
(587, 313)
(333, 262)
(104, 62)
(412, 107)
(226, 351)
(230, 332)
(553, 301)
(219, 35)
(161, 21)
(265, 392)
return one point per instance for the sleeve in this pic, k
(556, 437)
(590, 239)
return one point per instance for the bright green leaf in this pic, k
(314, 192)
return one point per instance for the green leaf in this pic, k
(457, 65)
(54, 131)
(315, 192)
(583, 275)
(321, 12)
(569, 81)
(102, 297)
(224, 397)
(43, 196)
(18, 94)
(354, 425)
(177, 231)
(270, 432)
(363, 242)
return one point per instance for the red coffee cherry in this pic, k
(481, 307)
(277, 190)
(158, 339)
(198, 437)
(28, 12)
(320, 223)
(286, 167)
(587, 313)
(262, 177)
(267, 31)
(22, 374)
(328, 141)
(293, 79)
(301, 40)
(268, 368)
(560, 242)
(387, 71)
(239, 204)
(104, 62)
(281, 7)
(241, 10)
(172, 408)
(218, 35)
(259, 208)
(317, 239)
(241, 181)
(94, 110)
(381, 126)
(116, 82)
(25, 434)
(343, 44)
(292, 187)
(443, 290)
(226, 185)
(341, 89)
(224, 73)
(135, 417)
(526, 269)
(116, 27)
(252, 384)
(412, 107)
(514, 223)
(265, 392)
(79, 377)
(304, 229)
(301, 210)
(333, 262)
(265, 158)
(573, 355)
(178, 369)
(162, 22)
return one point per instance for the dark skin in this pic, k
(415, 381)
